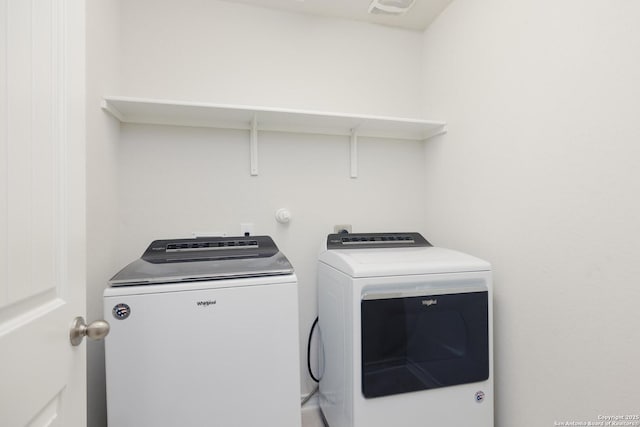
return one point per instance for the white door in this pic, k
(42, 212)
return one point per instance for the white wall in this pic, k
(102, 58)
(221, 52)
(540, 174)
(173, 181)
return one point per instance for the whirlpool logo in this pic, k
(205, 303)
(121, 311)
(429, 302)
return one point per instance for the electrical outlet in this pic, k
(341, 228)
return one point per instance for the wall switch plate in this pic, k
(341, 228)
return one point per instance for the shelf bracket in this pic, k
(440, 130)
(253, 147)
(111, 109)
(353, 145)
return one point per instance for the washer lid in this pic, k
(401, 261)
(185, 260)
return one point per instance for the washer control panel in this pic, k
(209, 249)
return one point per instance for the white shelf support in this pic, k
(435, 132)
(111, 109)
(353, 145)
(254, 146)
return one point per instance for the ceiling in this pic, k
(417, 18)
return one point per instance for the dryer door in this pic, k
(418, 341)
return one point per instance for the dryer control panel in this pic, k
(376, 240)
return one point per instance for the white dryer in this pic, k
(406, 332)
(204, 332)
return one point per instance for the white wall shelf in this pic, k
(258, 119)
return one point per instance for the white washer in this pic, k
(204, 332)
(406, 332)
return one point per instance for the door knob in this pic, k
(96, 330)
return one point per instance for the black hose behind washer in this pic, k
(315, 322)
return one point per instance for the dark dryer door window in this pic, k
(424, 342)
